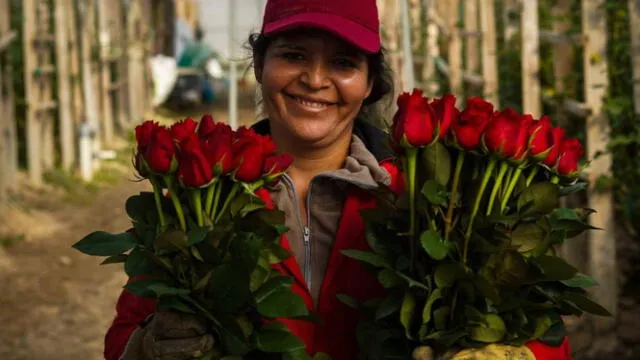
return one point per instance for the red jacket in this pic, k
(336, 334)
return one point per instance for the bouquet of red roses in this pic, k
(467, 251)
(209, 245)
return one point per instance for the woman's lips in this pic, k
(310, 105)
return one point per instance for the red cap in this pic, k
(355, 21)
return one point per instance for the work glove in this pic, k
(170, 336)
(489, 352)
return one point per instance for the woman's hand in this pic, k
(170, 336)
(489, 352)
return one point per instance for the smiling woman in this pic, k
(322, 73)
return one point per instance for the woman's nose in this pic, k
(315, 76)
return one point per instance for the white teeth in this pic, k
(313, 104)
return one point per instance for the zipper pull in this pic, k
(306, 234)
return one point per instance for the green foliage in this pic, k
(495, 280)
(222, 272)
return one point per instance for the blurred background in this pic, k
(76, 77)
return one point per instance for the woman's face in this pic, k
(313, 85)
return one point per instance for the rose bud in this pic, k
(557, 134)
(446, 112)
(275, 166)
(160, 152)
(144, 132)
(522, 137)
(540, 138)
(469, 125)
(415, 122)
(206, 126)
(218, 149)
(571, 151)
(250, 152)
(194, 169)
(183, 129)
(501, 134)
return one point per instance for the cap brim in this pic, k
(365, 39)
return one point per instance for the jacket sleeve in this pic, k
(131, 311)
(547, 352)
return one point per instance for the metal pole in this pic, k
(406, 46)
(233, 71)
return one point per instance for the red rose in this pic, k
(144, 132)
(415, 121)
(469, 125)
(160, 152)
(183, 129)
(250, 152)
(557, 134)
(571, 152)
(207, 126)
(501, 134)
(540, 138)
(275, 166)
(522, 137)
(218, 148)
(445, 109)
(194, 169)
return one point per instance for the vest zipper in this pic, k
(306, 230)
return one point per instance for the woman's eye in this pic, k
(292, 56)
(346, 63)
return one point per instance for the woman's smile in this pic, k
(308, 104)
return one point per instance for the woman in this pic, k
(321, 68)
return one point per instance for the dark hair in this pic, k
(375, 105)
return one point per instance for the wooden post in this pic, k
(92, 112)
(135, 55)
(45, 72)
(8, 135)
(431, 51)
(471, 42)
(455, 51)
(634, 23)
(602, 244)
(67, 138)
(105, 36)
(33, 126)
(489, 52)
(119, 42)
(510, 9)
(390, 16)
(74, 69)
(531, 96)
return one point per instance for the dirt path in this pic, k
(57, 303)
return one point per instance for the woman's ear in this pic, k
(258, 64)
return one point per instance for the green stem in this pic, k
(412, 156)
(196, 203)
(507, 180)
(216, 199)
(512, 185)
(454, 194)
(209, 197)
(474, 210)
(176, 202)
(230, 196)
(504, 166)
(532, 175)
(157, 196)
(555, 179)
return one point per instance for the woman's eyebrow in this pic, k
(290, 46)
